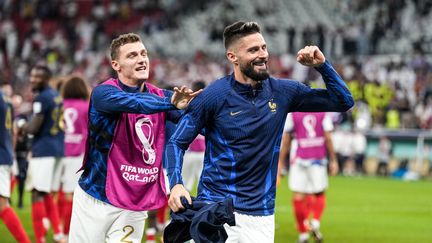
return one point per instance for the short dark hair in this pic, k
(75, 88)
(120, 41)
(46, 71)
(239, 30)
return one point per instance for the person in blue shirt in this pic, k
(46, 126)
(7, 213)
(242, 116)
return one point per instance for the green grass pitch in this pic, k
(364, 209)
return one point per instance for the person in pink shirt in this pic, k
(76, 93)
(310, 145)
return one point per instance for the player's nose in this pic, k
(263, 53)
(141, 58)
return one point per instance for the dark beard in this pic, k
(38, 88)
(257, 76)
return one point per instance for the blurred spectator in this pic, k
(384, 154)
(423, 112)
(71, 42)
(344, 148)
(359, 144)
(362, 116)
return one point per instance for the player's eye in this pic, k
(253, 50)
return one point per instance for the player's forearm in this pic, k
(174, 115)
(284, 150)
(330, 148)
(112, 100)
(336, 88)
(149, 104)
(33, 126)
(174, 163)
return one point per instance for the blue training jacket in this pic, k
(243, 129)
(6, 116)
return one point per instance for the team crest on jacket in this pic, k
(272, 106)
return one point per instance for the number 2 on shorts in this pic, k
(125, 229)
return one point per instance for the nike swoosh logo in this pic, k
(235, 113)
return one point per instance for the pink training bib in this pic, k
(135, 179)
(310, 135)
(198, 144)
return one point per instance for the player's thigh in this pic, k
(59, 166)
(91, 218)
(318, 178)
(71, 175)
(251, 229)
(5, 180)
(297, 178)
(128, 227)
(40, 174)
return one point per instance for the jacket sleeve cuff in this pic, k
(325, 67)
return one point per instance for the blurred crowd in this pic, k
(392, 90)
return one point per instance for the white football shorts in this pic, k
(5, 180)
(70, 175)
(251, 229)
(41, 173)
(96, 221)
(308, 176)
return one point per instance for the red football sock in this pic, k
(60, 202)
(299, 211)
(38, 214)
(67, 214)
(319, 206)
(52, 212)
(161, 214)
(14, 225)
(310, 203)
(150, 235)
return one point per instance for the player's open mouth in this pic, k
(143, 68)
(261, 63)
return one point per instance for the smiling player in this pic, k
(123, 177)
(243, 115)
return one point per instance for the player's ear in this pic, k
(115, 65)
(232, 57)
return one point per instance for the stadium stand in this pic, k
(380, 46)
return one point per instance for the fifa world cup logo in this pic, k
(309, 123)
(148, 153)
(70, 116)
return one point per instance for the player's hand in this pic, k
(333, 167)
(183, 96)
(310, 56)
(174, 201)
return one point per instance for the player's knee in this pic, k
(4, 203)
(37, 196)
